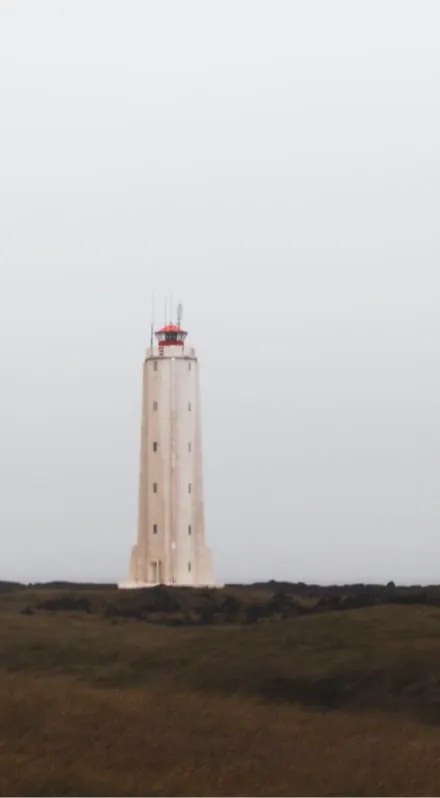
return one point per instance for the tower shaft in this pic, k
(170, 546)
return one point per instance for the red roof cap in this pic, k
(170, 328)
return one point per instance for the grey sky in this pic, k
(274, 164)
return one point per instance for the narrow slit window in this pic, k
(154, 529)
(154, 446)
(190, 488)
(189, 529)
(189, 406)
(154, 487)
(155, 405)
(189, 447)
(155, 365)
(189, 366)
(189, 567)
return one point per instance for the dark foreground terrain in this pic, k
(263, 690)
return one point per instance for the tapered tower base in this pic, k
(143, 585)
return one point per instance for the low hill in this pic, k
(260, 690)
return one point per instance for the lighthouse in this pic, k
(170, 547)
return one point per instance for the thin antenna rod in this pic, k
(152, 321)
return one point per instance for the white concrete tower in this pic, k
(170, 546)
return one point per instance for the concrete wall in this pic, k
(171, 475)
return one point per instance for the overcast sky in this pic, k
(275, 164)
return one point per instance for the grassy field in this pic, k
(152, 695)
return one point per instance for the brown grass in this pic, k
(339, 704)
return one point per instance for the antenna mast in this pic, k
(152, 322)
(179, 314)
